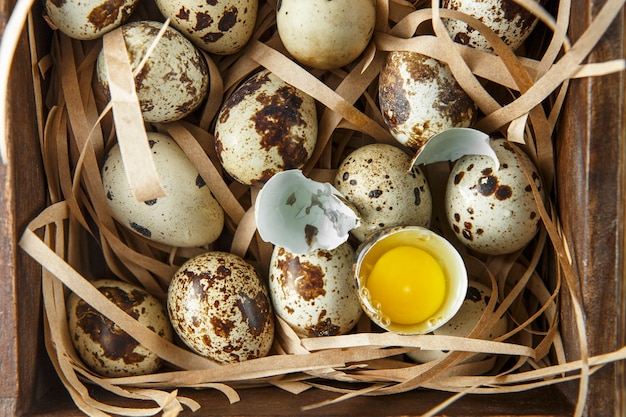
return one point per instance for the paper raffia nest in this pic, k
(79, 129)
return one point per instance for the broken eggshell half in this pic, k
(301, 214)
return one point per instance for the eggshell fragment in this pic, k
(385, 189)
(220, 308)
(187, 216)
(266, 126)
(301, 214)
(175, 79)
(102, 345)
(464, 322)
(493, 211)
(315, 293)
(419, 98)
(88, 19)
(326, 34)
(220, 27)
(510, 21)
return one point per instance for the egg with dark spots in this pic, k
(508, 19)
(267, 123)
(464, 321)
(315, 293)
(175, 78)
(494, 211)
(88, 19)
(220, 308)
(380, 183)
(419, 98)
(220, 27)
(187, 216)
(102, 345)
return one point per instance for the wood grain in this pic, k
(591, 184)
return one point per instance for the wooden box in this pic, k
(591, 181)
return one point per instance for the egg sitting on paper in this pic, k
(104, 347)
(379, 181)
(266, 126)
(220, 308)
(187, 216)
(493, 210)
(315, 293)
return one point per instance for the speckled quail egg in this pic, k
(102, 345)
(266, 126)
(187, 216)
(220, 308)
(465, 320)
(493, 211)
(175, 79)
(379, 182)
(88, 19)
(419, 98)
(326, 34)
(315, 293)
(510, 21)
(220, 27)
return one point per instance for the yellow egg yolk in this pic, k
(408, 283)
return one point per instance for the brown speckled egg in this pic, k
(220, 27)
(510, 21)
(220, 308)
(377, 181)
(175, 79)
(420, 98)
(493, 212)
(88, 19)
(315, 293)
(266, 126)
(102, 345)
(326, 34)
(187, 216)
(464, 321)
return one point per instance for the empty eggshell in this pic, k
(493, 211)
(220, 308)
(464, 321)
(88, 19)
(326, 34)
(419, 98)
(379, 181)
(220, 27)
(315, 293)
(102, 345)
(187, 216)
(510, 21)
(267, 123)
(175, 79)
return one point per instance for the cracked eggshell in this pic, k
(104, 347)
(315, 293)
(326, 34)
(175, 79)
(188, 216)
(219, 27)
(419, 98)
(88, 19)
(220, 308)
(510, 21)
(267, 123)
(385, 189)
(463, 323)
(493, 211)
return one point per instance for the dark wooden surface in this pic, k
(591, 188)
(591, 182)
